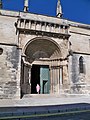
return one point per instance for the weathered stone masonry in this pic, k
(41, 49)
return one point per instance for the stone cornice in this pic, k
(44, 33)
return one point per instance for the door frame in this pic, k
(40, 81)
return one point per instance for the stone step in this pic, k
(41, 95)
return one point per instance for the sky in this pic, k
(74, 10)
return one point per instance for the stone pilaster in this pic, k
(18, 93)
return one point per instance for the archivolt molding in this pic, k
(41, 38)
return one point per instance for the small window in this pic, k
(1, 51)
(81, 65)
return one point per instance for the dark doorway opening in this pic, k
(35, 78)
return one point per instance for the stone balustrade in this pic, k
(27, 25)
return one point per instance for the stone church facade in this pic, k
(49, 51)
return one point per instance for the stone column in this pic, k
(61, 80)
(24, 23)
(51, 78)
(26, 85)
(19, 23)
(61, 77)
(65, 77)
(29, 24)
(55, 82)
(29, 80)
(45, 25)
(58, 80)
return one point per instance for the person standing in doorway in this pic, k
(38, 88)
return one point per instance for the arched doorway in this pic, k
(40, 53)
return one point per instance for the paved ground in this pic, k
(43, 100)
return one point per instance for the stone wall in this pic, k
(80, 45)
(7, 30)
(80, 39)
(9, 62)
(9, 57)
(79, 82)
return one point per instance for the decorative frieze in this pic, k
(40, 27)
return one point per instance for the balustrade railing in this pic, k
(42, 26)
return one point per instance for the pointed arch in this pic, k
(81, 65)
